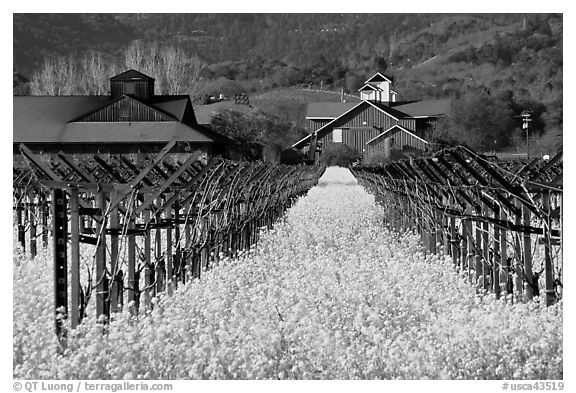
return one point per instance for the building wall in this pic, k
(357, 127)
(45, 153)
(315, 124)
(368, 95)
(143, 90)
(107, 148)
(394, 140)
(126, 110)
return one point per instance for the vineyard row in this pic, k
(152, 222)
(501, 222)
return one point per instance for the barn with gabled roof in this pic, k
(132, 119)
(378, 124)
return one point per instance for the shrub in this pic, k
(338, 155)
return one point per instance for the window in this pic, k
(337, 135)
(129, 88)
(124, 110)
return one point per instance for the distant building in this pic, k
(378, 124)
(132, 119)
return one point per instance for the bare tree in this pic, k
(56, 78)
(174, 71)
(94, 74)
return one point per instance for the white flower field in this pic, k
(329, 293)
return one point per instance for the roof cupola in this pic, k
(134, 84)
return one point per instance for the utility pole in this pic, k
(526, 119)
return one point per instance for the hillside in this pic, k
(516, 56)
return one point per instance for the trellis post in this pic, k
(60, 240)
(114, 260)
(548, 268)
(148, 268)
(133, 287)
(530, 284)
(496, 261)
(32, 211)
(75, 258)
(102, 292)
(169, 257)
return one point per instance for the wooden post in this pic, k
(453, 238)
(464, 266)
(439, 230)
(518, 255)
(470, 251)
(114, 225)
(187, 261)
(478, 254)
(528, 256)
(446, 232)
(486, 270)
(496, 261)
(76, 318)
(160, 261)
(102, 293)
(133, 287)
(21, 232)
(148, 268)
(32, 220)
(169, 259)
(60, 240)
(45, 229)
(548, 268)
(178, 266)
(505, 263)
(204, 239)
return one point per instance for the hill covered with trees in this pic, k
(515, 60)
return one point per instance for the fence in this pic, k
(151, 226)
(501, 222)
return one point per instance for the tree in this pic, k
(258, 135)
(175, 72)
(56, 78)
(479, 121)
(338, 154)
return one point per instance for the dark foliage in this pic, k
(338, 154)
(259, 136)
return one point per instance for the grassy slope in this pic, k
(435, 75)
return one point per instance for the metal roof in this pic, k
(328, 110)
(119, 132)
(131, 75)
(379, 77)
(174, 105)
(369, 87)
(425, 108)
(394, 112)
(48, 119)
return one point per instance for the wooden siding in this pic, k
(313, 124)
(143, 90)
(373, 117)
(356, 134)
(134, 111)
(395, 140)
(356, 137)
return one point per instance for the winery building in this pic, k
(132, 119)
(377, 125)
